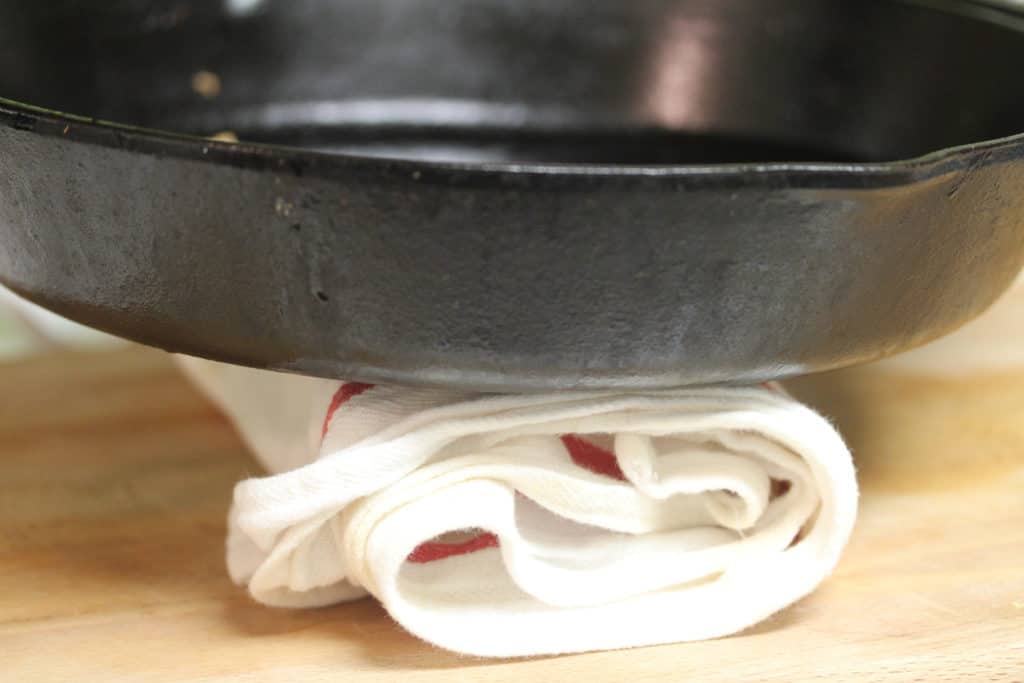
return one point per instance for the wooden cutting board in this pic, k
(115, 478)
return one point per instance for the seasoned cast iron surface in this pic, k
(514, 194)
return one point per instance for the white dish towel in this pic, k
(535, 524)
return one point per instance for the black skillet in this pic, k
(514, 194)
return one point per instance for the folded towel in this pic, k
(535, 524)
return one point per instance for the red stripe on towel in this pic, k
(592, 457)
(345, 392)
(432, 551)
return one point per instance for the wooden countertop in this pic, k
(115, 477)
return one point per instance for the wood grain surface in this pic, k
(115, 477)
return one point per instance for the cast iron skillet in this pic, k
(514, 194)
